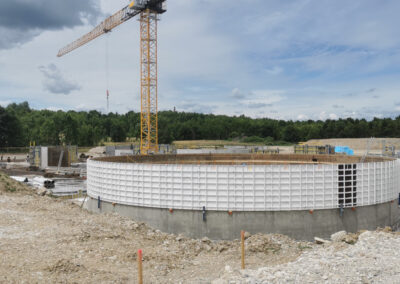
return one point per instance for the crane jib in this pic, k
(115, 20)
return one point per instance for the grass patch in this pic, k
(303, 247)
(11, 188)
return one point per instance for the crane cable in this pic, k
(107, 73)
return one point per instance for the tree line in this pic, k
(20, 124)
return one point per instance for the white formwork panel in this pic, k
(242, 187)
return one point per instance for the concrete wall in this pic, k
(220, 225)
(44, 163)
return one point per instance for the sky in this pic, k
(292, 59)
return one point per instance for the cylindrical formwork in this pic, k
(257, 186)
(244, 187)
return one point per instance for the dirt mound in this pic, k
(9, 185)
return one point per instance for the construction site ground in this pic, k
(43, 239)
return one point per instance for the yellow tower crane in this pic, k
(149, 11)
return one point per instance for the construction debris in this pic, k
(320, 241)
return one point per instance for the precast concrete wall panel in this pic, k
(244, 187)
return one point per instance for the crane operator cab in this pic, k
(155, 5)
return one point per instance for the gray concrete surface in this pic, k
(219, 225)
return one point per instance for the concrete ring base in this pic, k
(220, 225)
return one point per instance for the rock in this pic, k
(247, 235)
(206, 240)
(42, 191)
(351, 238)
(339, 236)
(207, 247)
(222, 248)
(179, 238)
(320, 241)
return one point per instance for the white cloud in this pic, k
(266, 97)
(237, 94)
(53, 108)
(5, 103)
(324, 116)
(54, 82)
(302, 117)
(275, 71)
(333, 116)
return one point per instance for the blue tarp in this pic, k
(344, 150)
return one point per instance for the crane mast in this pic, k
(148, 10)
(148, 82)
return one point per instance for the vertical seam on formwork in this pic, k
(354, 185)
(199, 185)
(363, 184)
(216, 187)
(369, 185)
(160, 185)
(192, 197)
(374, 183)
(390, 193)
(384, 181)
(206, 186)
(389, 181)
(333, 188)
(307, 187)
(290, 187)
(313, 186)
(227, 188)
(301, 187)
(280, 187)
(323, 189)
(393, 180)
(166, 182)
(243, 188)
(272, 191)
(254, 187)
(151, 184)
(381, 182)
(360, 167)
(182, 186)
(235, 190)
(265, 187)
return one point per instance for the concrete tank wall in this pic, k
(219, 225)
(244, 187)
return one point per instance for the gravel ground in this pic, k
(374, 258)
(47, 240)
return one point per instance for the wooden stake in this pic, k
(140, 268)
(242, 247)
